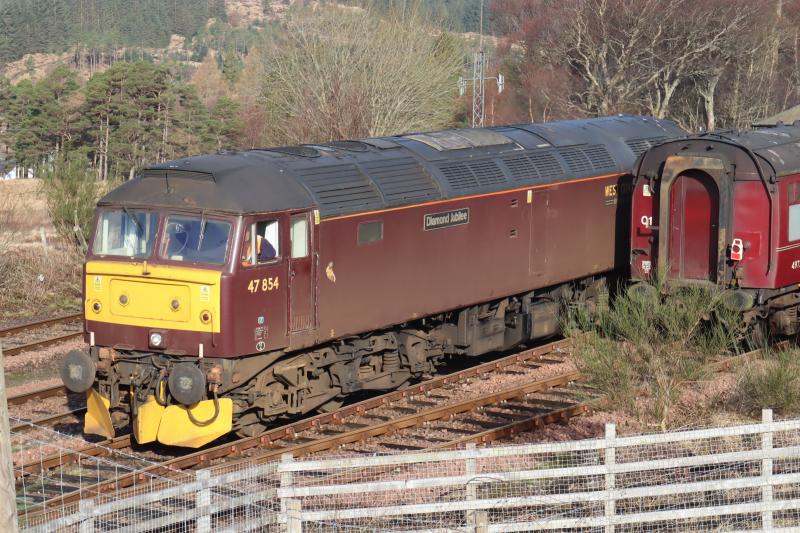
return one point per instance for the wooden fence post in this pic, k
(610, 462)
(86, 509)
(202, 501)
(766, 471)
(8, 493)
(470, 470)
(290, 507)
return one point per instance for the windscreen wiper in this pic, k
(203, 223)
(135, 220)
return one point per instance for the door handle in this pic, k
(292, 274)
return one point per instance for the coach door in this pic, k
(301, 274)
(694, 226)
(689, 211)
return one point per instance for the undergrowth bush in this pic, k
(771, 381)
(642, 349)
(71, 190)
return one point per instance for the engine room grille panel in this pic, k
(487, 173)
(521, 168)
(639, 146)
(340, 188)
(458, 175)
(547, 166)
(577, 161)
(401, 179)
(600, 158)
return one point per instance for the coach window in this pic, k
(794, 211)
(370, 232)
(261, 243)
(299, 232)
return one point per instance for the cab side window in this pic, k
(299, 231)
(261, 243)
(793, 190)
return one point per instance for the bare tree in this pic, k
(351, 73)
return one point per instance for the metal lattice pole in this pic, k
(479, 78)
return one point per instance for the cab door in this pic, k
(302, 311)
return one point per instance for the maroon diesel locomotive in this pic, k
(226, 291)
(722, 210)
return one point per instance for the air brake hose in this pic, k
(210, 420)
(159, 400)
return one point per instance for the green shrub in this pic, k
(71, 191)
(642, 350)
(772, 381)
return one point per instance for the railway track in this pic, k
(433, 414)
(31, 423)
(16, 335)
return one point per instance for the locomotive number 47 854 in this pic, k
(263, 284)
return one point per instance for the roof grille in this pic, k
(458, 175)
(521, 168)
(487, 173)
(301, 151)
(547, 166)
(401, 179)
(639, 146)
(350, 146)
(576, 159)
(339, 188)
(183, 174)
(600, 158)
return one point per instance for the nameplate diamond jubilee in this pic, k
(447, 219)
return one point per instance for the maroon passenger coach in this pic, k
(722, 210)
(228, 290)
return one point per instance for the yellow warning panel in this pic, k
(176, 429)
(148, 420)
(97, 420)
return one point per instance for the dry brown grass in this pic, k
(33, 283)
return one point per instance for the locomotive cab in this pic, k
(154, 287)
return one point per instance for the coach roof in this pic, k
(345, 177)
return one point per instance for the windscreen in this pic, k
(125, 233)
(195, 239)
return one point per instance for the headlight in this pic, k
(156, 340)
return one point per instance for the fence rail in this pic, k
(738, 478)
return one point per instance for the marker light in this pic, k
(737, 250)
(96, 307)
(156, 340)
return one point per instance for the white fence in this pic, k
(738, 478)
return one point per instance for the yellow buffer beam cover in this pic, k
(176, 429)
(153, 296)
(97, 420)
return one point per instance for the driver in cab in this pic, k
(264, 250)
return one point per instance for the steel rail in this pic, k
(46, 420)
(15, 330)
(42, 344)
(176, 466)
(267, 441)
(38, 394)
